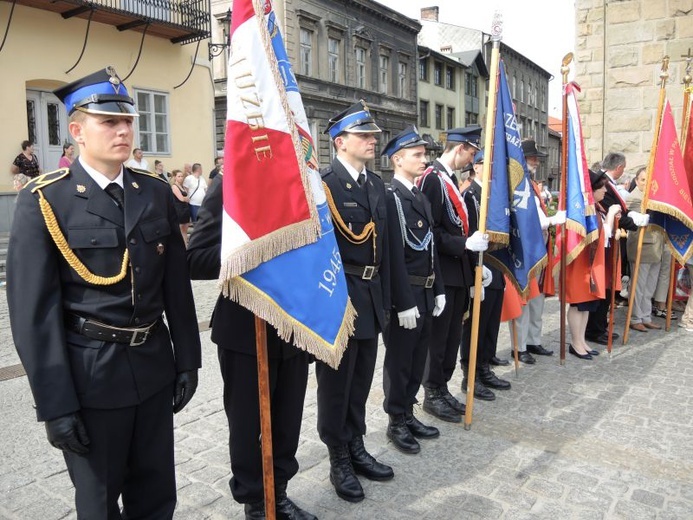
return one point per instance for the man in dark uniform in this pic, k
(233, 331)
(413, 256)
(613, 166)
(95, 259)
(453, 240)
(491, 306)
(357, 202)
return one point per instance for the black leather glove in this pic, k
(186, 384)
(67, 433)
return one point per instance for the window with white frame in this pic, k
(333, 51)
(402, 74)
(153, 123)
(360, 54)
(383, 73)
(306, 52)
(384, 159)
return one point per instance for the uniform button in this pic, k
(139, 296)
(158, 232)
(137, 269)
(137, 320)
(133, 241)
(94, 241)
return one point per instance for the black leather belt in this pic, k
(100, 331)
(365, 272)
(426, 281)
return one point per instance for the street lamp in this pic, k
(215, 49)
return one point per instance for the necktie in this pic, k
(117, 193)
(361, 180)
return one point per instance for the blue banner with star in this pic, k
(513, 223)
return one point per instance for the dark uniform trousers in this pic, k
(123, 393)
(450, 241)
(491, 306)
(342, 393)
(406, 349)
(233, 331)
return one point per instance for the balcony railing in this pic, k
(181, 21)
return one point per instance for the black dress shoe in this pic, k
(435, 404)
(419, 429)
(452, 401)
(255, 511)
(480, 391)
(487, 378)
(576, 354)
(526, 358)
(400, 435)
(287, 510)
(342, 476)
(496, 361)
(365, 464)
(602, 339)
(593, 352)
(539, 350)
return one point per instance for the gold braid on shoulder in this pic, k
(69, 254)
(343, 228)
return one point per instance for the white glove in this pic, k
(471, 293)
(639, 219)
(477, 242)
(558, 219)
(407, 319)
(486, 276)
(440, 305)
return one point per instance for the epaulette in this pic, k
(47, 178)
(326, 171)
(148, 174)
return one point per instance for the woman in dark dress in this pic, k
(26, 162)
(182, 203)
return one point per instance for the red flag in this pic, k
(670, 194)
(688, 148)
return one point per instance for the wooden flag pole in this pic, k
(663, 75)
(497, 32)
(265, 417)
(565, 69)
(615, 258)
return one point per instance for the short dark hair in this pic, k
(157, 162)
(217, 159)
(135, 150)
(196, 166)
(26, 144)
(612, 161)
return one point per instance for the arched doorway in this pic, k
(47, 125)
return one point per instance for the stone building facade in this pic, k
(618, 58)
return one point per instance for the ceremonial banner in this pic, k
(669, 199)
(279, 253)
(581, 218)
(513, 218)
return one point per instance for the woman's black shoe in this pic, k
(575, 353)
(593, 352)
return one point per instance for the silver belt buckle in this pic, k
(134, 342)
(368, 272)
(429, 281)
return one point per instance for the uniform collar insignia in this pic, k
(81, 188)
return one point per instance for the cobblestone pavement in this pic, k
(602, 439)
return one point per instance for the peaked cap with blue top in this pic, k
(407, 138)
(469, 134)
(99, 93)
(356, 119)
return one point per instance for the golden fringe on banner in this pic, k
(252, 254)
(289, 329)
(533, 272)
(587, 240)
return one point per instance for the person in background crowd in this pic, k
(107, 372)
(68, 156)
(650, 261)
(360, 217)
(196, 186)
(233, 331)
(138, 161)
(182, 203)
(19, 181)
(414, 258)
(687, 318)
(452, 241)
(160, 170)
(218, 166)
(187, 169)
(613, 166)
(588, 275)
(26, 162)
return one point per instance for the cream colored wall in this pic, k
(41, 46)
(436, 95)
